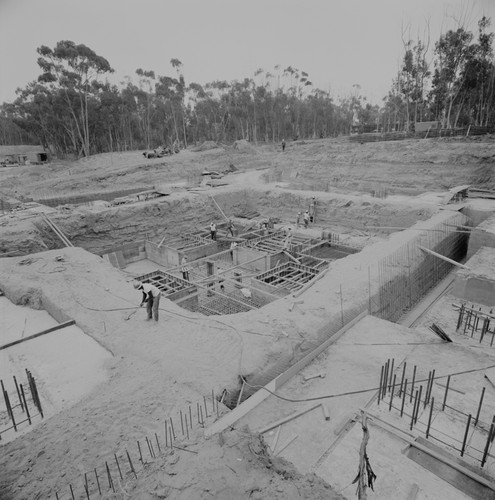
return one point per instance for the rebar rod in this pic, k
(479, 407)
(446, 391)
(466, 432)
(429, 417)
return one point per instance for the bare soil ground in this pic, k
(158, 369)
(411, 166)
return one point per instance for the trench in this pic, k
(402, 277)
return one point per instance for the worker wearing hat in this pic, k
(151, 297)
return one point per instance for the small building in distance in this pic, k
(23, 155)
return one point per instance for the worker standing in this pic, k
(233, 246)
(306, 219)
(151, 297)
(288, 239)
(283, 144)
(298, 219)
(213, 231)
(230, 227)
(184, 268)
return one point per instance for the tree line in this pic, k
(72, 109)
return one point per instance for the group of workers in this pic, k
(151, 294)
(309, 215)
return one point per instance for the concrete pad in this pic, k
(352, 368)
(66, 364)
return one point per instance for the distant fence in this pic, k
(398, 136)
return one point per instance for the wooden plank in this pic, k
(239, 412)
(48, 330)
(446, 259)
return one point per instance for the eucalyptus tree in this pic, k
(478, 78)
(74, 71)
(452, 51)
(144, 101)
(181, 90)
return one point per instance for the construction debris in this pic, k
(436, 329)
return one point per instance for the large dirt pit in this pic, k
(128, 402)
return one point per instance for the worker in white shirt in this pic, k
(151, 297)
(233, 246)
(184, 269)
(213, 231)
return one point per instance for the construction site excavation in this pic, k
(311, 321)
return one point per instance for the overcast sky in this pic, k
(340, 43)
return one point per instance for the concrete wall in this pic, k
(477, 284)
(171, 257)
(201, 251)
(244, 254)
(482, 236)
(123, 255)
(165, 256)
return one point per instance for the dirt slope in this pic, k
(411, 166)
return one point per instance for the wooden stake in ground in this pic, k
(365, 476)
